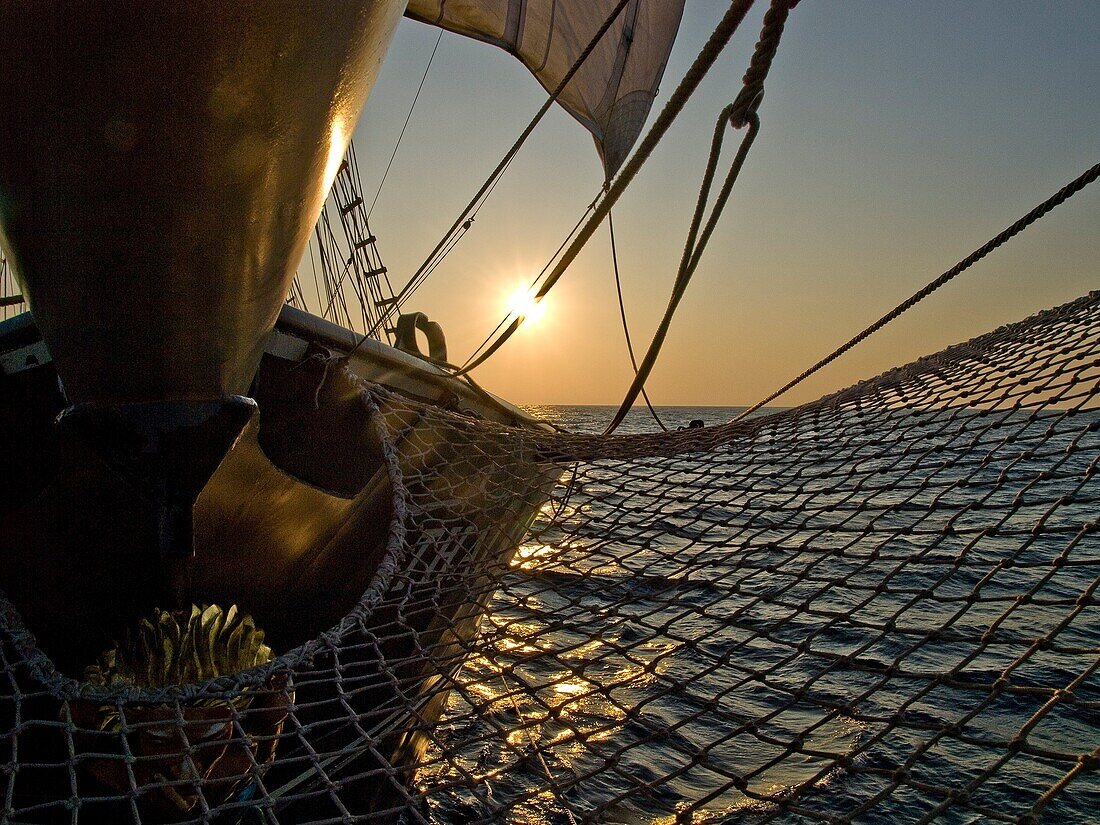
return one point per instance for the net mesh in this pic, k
(878, 607)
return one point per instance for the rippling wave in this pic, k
(579, 645)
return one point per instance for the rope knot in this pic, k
(741, 111)
(753, 90)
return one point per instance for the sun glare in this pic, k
(522, 302)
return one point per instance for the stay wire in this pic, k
(513, 151)
(626, 327)
(742, 112)
(1059, 197)
(404, 126)
(538, 277)
(706, 58)
(350, 167)
(693, 249)
(452, 242)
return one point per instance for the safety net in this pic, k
(877, 607)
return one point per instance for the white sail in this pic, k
(613, 91)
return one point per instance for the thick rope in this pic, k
(753, 81)
(703, 62)
(1059, 197)
(461, 220)
(535, 282)
(693, 249)
(741, 112)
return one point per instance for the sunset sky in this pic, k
(897, 137)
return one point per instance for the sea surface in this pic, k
(544, 773)
(593, 419)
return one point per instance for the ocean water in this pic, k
(593, 419)
(598, 699)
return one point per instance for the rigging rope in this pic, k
(739, 113)
(408, 117)
(362, 251)
(486, 188)
(626, 327)
(693, 249)
(12, 301)
(423, 275)
(1059, 197)
(690, 82)
(878, 606)
(542, 272)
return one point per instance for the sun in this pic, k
(522, 302)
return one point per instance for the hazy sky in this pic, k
(897, 137)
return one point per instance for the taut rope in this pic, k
(1059, 197)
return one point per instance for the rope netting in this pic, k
(878, 607)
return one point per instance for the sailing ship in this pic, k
(248, 550)
(190, 454)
